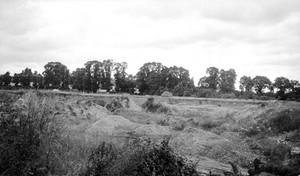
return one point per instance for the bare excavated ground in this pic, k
(211, 132)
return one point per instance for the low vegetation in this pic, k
(35, 142)
(37, 136)
(117, 104)
(151, 106)
(29, 132)
(144, 159)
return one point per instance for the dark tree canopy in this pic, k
(26, 77)
(213, 79)
(202, 82)
(150, 77)
(123, 81)
(78, 79)
(56, 75)
(282, 84)
(108, 66)
(94, 72)
(155, 78)
(227, 80)
(260, 83)
(5, 79)
(38, 80)
(246, 84)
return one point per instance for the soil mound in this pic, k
(133, 106)
(111, 125)
(84, 109)
(207, 144)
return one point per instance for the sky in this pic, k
(254, 37)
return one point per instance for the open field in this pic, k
(209, 132)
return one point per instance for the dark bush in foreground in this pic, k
(286, 121)
(145, 160)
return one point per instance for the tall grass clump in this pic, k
(143, 159)
(28, 130)
(151, 106)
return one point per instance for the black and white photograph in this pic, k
(149, 87)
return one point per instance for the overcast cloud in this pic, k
(254, 37)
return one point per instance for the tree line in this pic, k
(152, 78)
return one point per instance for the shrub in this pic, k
(265, 98)
(101, 159)
(146, 160)
(151, 106)
(205, 93)
(285, 121)
(166, 94)
(118, 103)
(228, 96)
(276, 156)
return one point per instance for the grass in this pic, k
(28, 131)
(179, 125)
(34, 141)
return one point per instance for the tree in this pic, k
(202, 82)
(246, 84)
(227, 80)
(38, 80)
(260, 83)
(78, 79)
(282, 84)
(5, 79)
(94, 73)
(151, 78)
(108, 67)
(26, 77)
(16, 79)
(184, 85)
(213, 79)
(294, 84)
(177, 75)
(121, 77)
(56, 75)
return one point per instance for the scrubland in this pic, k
(46, 133)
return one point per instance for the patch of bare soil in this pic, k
(111, 125)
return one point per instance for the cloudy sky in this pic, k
(254, 37)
